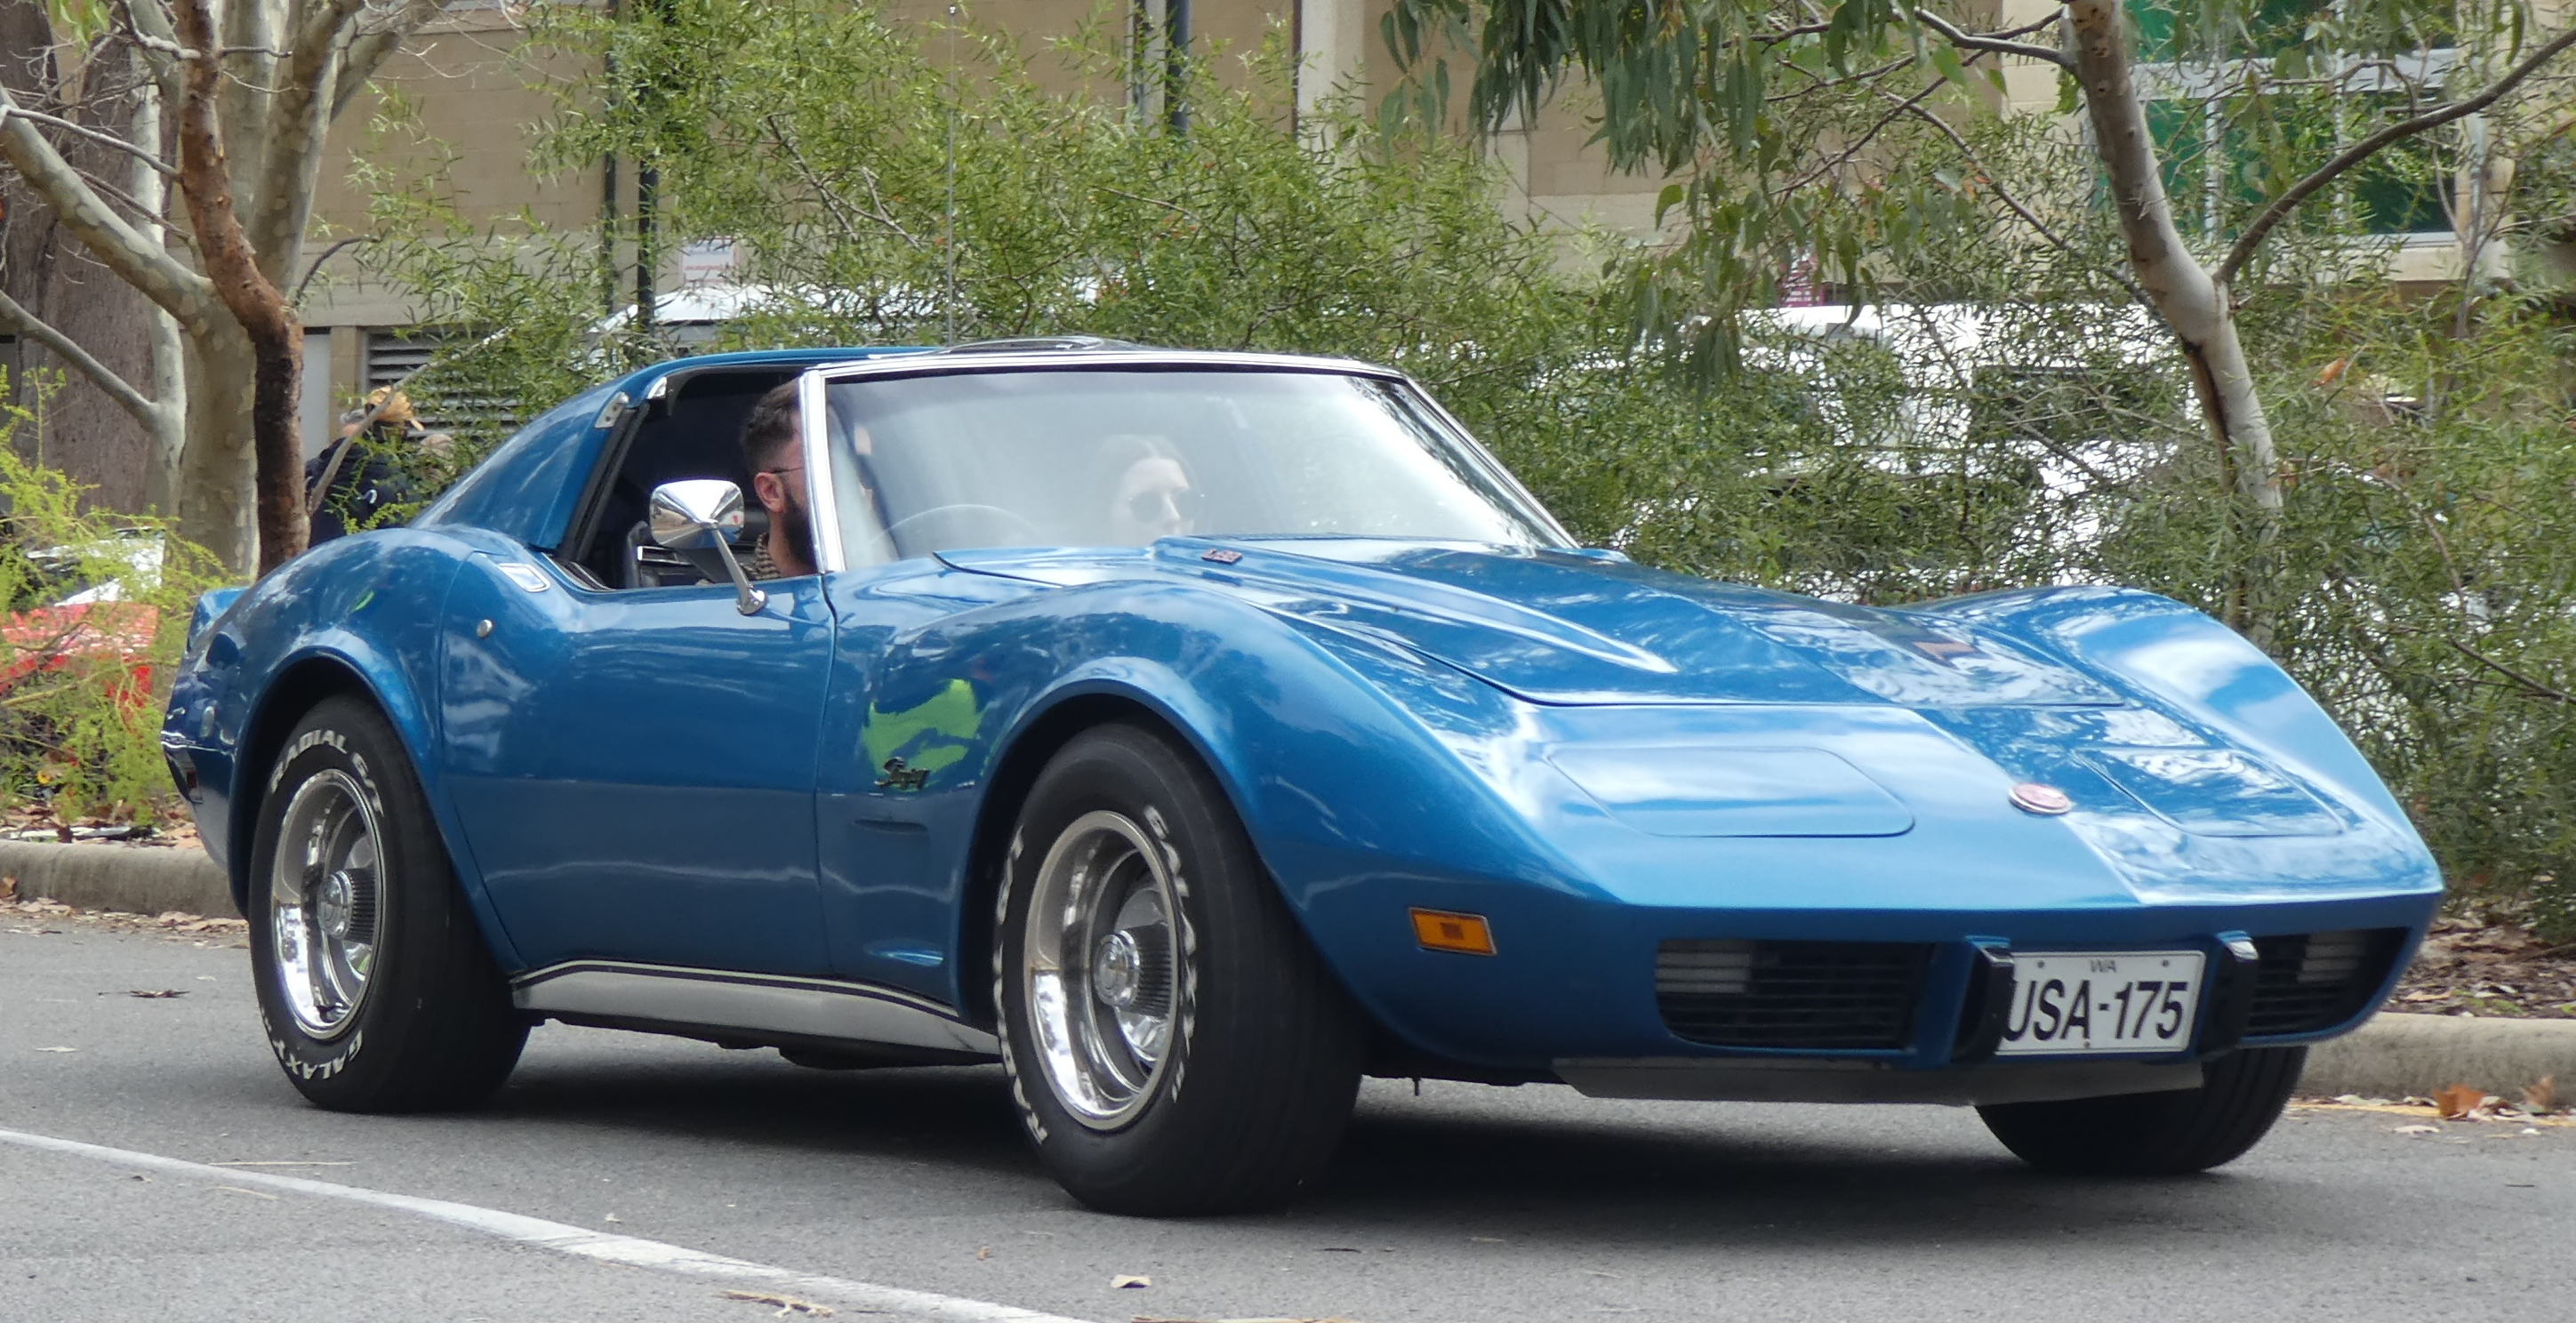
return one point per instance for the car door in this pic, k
(635, 770)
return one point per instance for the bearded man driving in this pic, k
(771, 449)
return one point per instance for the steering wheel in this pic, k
(1010, 520)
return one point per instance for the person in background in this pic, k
(358, 477)
(1148, 493)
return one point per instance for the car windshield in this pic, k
(1119, 458)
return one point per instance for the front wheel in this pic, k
(373, 980)
(1174, 1043)
(2156, 1134)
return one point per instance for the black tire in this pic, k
(2156, 1134)
(1262, 1049)
(432, 1027)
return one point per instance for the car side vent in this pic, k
(2310, 982)
(1791, 994)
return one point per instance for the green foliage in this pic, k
(877, 194)
(80, 721)
(1787, 130)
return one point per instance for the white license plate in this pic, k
(2075, 1002)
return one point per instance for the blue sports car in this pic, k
(1195, 733)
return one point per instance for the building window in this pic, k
(2224, 157)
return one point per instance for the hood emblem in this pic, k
(1223, 556)
(2046, 801)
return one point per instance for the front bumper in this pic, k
(1721, 1080)
(1573, 990)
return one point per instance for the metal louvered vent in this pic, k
(395, 355)
(1791, 994)
(2309, 982)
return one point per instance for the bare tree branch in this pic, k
(369, 50)
(1994, 44)
(1861, 143)
(315, 269)
(12, 110)
(2136, 291)
(2289, 199)
(2530, 686)
(139, 261)
(15, 318)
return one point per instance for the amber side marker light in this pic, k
(1441, 930)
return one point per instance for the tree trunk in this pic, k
(215, 471)
(2197, 307)
(165, 428)
(275, 335)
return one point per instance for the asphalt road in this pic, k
(1464, 1204)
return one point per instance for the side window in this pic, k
(693, 431)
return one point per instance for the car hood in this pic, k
(1577, 629)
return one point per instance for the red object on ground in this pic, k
(52, 638)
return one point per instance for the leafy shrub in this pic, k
(96, 613)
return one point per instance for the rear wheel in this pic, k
(2156, 1134)
(1174, 1043)
(373, 980)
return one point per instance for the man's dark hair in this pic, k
(771, 429)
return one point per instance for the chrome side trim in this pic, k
(821, 498)
(806, 1008)
(1720, 1079)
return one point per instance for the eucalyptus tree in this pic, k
(228, 100)
(1773, 120)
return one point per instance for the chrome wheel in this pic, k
(325, 902)
(1103, 954)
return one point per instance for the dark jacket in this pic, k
(367, 484)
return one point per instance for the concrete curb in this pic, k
(2397, 1055)
(2390, 1057)
(133, 878)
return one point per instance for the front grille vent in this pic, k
(2309, 982)
(1791, 994)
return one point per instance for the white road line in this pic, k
(580, 1242)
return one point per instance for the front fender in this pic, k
(358, 614)
(1370, 780)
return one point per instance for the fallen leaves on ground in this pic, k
(2458, 1101)
(179, 925)
(2541, 1095)
(787, 1304)
(2489, 1108)
(2501, 969)
(156, 994)
(39, 822)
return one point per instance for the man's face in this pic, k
(782, 491)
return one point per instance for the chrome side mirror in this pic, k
(700, 514)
